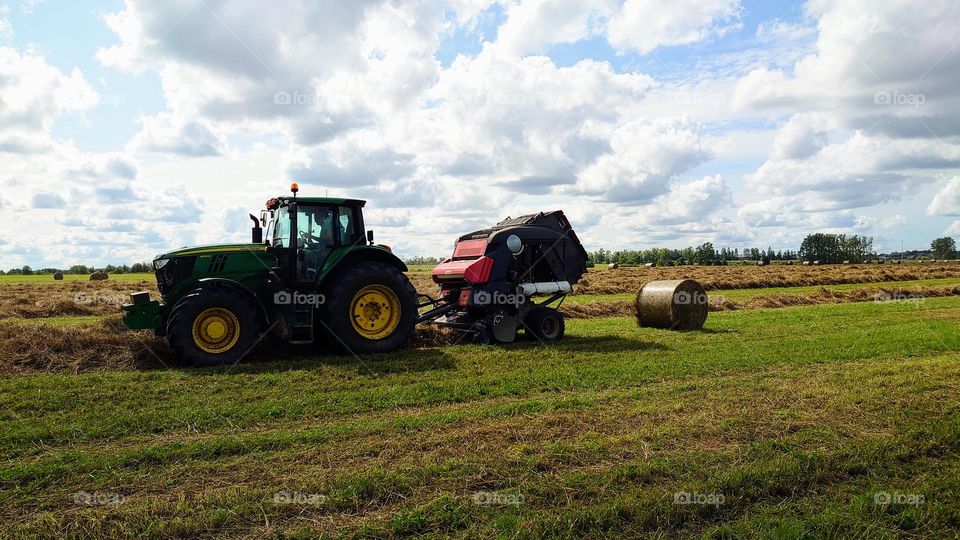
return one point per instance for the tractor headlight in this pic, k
(160, 263)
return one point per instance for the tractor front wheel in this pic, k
(212, 327)
(369, 308)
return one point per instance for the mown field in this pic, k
(837, 415)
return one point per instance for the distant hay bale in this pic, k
(99, 276)
(806, 263)
(789, 263)
(816, 263)
(58, 276)
(846, 262)
(763, 263)
(650, 265)
(680, 304)
(613, 266)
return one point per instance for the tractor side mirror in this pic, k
(257, 232)
(370, 237)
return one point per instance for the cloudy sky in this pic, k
(132, 127)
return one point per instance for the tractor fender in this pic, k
(262, 313)
(360, 255)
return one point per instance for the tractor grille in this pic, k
(175, 271)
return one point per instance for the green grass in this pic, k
(797, 417)
(736, 295)
(39, 278)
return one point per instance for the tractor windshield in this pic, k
(314, 227)
(313, 239)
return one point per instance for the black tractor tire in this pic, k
(544, 324)
(336, 313)
(220, 303)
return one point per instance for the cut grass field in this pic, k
(792, 422)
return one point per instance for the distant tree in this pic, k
(821, 247)
(944, 248)
(26, 270)
(705, 254)
(855, 248)
(422, 260)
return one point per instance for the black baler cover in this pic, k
(551, 232)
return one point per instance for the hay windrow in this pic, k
(915, 295)
(68, 298)
(107, 344)
(630, 280)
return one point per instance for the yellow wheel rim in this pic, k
(216, 330)
(375, 312)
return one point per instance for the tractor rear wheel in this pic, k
(212, 327)
(369, 308)
(544, 324)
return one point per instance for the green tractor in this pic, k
(316, 277)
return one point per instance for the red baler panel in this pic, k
(469, 249)
(451, 270)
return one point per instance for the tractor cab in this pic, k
(305, 232)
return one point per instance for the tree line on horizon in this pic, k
(826, 248)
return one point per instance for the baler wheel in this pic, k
(544, 324)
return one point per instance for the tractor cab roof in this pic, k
(307, 201)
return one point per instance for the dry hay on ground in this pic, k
(68, 298)
(107, 344)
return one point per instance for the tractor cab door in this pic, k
(307, 234)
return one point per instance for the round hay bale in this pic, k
(789, 263)
(58, 276)
(763, 263)
(679, 304)
(816, 263)
(806, 263)
(98, 276)
(613, 266)
(650, 265)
